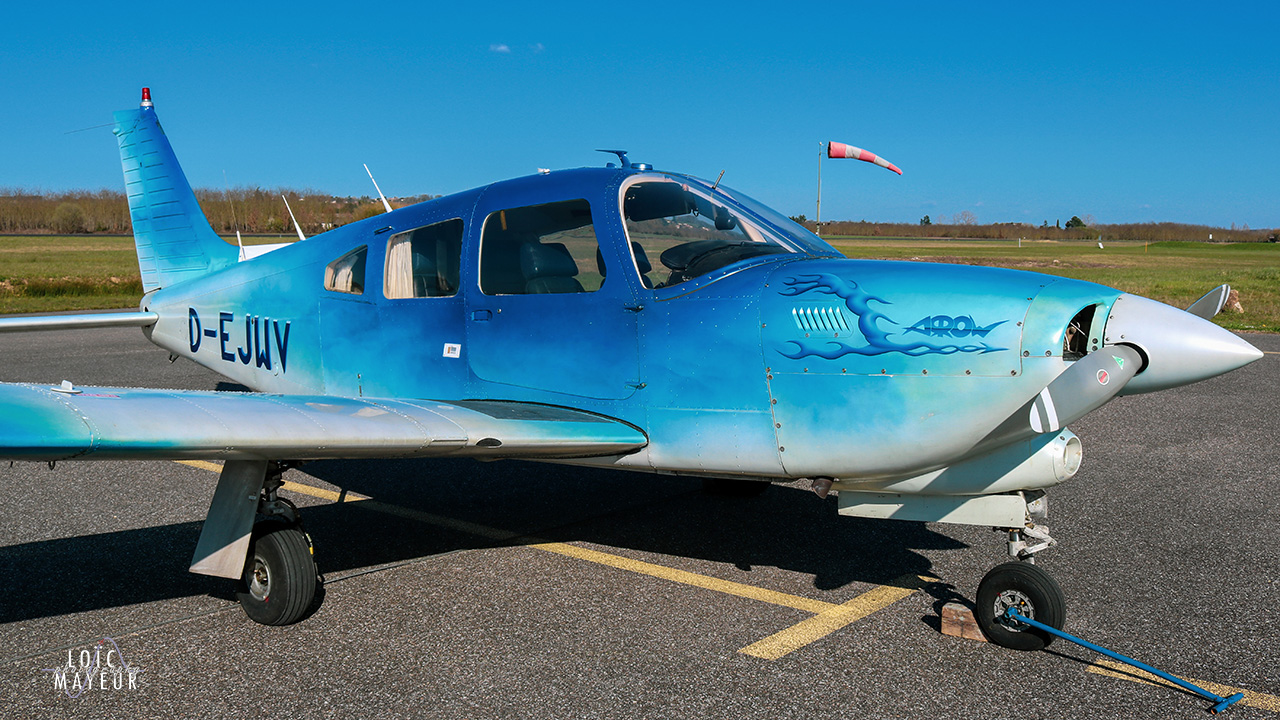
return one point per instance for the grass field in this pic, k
(49, 273)
(1172, 272)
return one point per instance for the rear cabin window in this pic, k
(540, 249)
(346, 274)
(424, 262)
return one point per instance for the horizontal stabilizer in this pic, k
(77, 322)
(249, 252)
(44, 423)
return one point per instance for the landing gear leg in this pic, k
(1022, 585)
(279, 582)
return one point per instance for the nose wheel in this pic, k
(1030, 590)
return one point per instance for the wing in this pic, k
(43, 423)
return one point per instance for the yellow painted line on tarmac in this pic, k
(202, 464)
(834, 617)
(331, 496)
(1112, 669)
(828, 617)
(683, 577)
(369, 503)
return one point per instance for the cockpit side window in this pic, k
(424, 262)
(346, 274)
(690, 231)
(540, 249)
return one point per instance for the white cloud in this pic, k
(537, 47)
(500, 48)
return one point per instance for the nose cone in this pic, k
(1180, 348)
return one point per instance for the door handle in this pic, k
(481, 315)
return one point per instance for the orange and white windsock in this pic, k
(840, 150)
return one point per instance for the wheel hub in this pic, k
(260, 580)
(1017, 600)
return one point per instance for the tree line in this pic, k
(249, 210)
(257, 211)
(1078, 230)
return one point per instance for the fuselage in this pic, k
(781, 359)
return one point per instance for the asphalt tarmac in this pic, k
(514, 589)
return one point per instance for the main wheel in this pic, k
(279, 581)
(1033, 592)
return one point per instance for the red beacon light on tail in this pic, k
(146, 97)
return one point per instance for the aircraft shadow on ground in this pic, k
(785, 528)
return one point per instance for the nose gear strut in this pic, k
(1022, 586)
(1025, 542)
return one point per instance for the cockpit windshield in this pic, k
(693, 229)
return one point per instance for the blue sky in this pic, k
(1011, 111)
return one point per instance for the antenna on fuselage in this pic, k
(622, 157)
(291, 217)
(235, 223)
(381, 197)
(713, 187)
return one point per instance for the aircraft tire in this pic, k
(279, 581)
(1037, 596)
(726, 487)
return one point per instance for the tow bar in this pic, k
(1220, 705)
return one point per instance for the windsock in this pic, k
(840, 150)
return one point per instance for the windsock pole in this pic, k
(841, 150)
(817, 219)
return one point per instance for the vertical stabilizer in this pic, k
(174, 239)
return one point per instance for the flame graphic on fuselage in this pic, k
(879, 341)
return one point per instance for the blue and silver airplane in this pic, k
(619, 317)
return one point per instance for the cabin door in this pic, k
(543, 313)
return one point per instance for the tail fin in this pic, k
(174, 239)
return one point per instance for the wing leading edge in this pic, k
(44, 423)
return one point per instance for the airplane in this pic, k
(612, 317)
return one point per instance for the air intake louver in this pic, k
(820, 318)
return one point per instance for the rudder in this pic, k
(174, 239)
